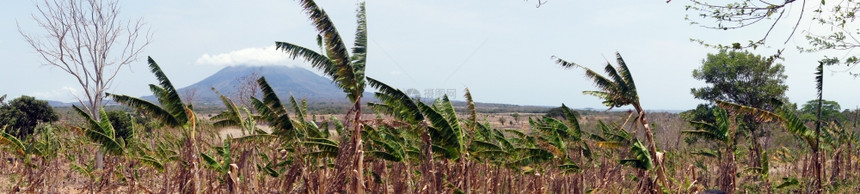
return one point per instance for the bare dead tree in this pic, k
(87, 40)
(190, 96)
(247, 87)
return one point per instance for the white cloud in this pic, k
(395, 72)
(250, 56)
(64, 94)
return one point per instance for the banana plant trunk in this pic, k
(661, 171)
(356, 138)
(728, 174)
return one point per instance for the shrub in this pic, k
(22, 114)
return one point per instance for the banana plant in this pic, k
(172, 113)
(347, 71)
(563, 137)
(232, 117)
(223, 165)
(298, 131)
(102, 132)
(275, 113)
(617, 89)
(16, 146)
(611, 137)
(789, 121)
(722, 132)
(442, 125)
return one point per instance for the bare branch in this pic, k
(87, 40)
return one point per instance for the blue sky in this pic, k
(501, 50)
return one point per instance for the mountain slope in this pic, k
(299, 82)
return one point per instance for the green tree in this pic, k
(558, 112)
(516, 117)
(703, 113)
(617, 90)
(830, 111)
(742, 78)
(22, 114)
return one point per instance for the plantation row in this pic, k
(415, 146)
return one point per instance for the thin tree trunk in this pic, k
(359, 160)
(661, 171)
(728, 175)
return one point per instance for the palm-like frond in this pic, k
(298, 108)
(706, 153)
(442, 132)
(152, 162)
(346, 71)
(102, 132)
(13, 142)
(447, 110)
(617, 79)
(228, 118)
(641, 157)
(359, 49)
(399, 104)
(147, 108)
(172, 111)
(570, 168)
(759, 114)
(170, 99)
(789, 120)
(573, 123)
(612, 137)
(718, 131)
(612, 94)
(531, 156)
(793, 124)
(272, 110)
(473, 115)
(616, 90)
(323, 144)
(625, 73)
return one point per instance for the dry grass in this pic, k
(246, 170)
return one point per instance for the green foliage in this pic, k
(741, 78)
(14, 144)
(830, 111)
(641, 157)
(232, 117)
(347, 71)
(718, 131)
(172, 112)
(102, 132)
(559, 137)
(703, 113)
(273, 111)
(611, 137)
(221, 164)
(123, 124)
(558, 112)
(617, 90)
(22, 114)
